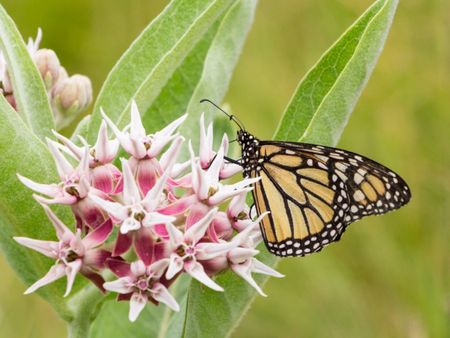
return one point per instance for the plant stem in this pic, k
(84, 306)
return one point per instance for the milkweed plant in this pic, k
(142, 204)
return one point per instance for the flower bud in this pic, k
(48, 65)
(73, 94)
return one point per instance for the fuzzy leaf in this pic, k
(326, 96)
(20, 215)
(151, 60)
(29, 91)
(324, 125)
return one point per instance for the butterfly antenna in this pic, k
(231, 117)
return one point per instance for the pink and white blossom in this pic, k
(172, 218)
(72, 253)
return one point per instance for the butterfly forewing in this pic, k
(313, 193)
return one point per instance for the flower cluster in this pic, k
(171, 217)
(69, 95)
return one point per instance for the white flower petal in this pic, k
(175, 235)
(47, 248)
(138, 268)
(131, 194)
(244, 271)
(137, 304)
(211, 250)
(76, 150)
(116, 210)
(260, 267)
(72, 269)
(161, 294)
(137, 130)
(152, 218)
(122, 285)
(129, 224)
(51, 190)
(196, 270)
(63, 166)
(56, 272)
(175, 266)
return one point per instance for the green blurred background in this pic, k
(388, 276)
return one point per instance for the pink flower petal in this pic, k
(196, 213)
(94, 277)
(105, 177)
(179, 206)
(122, 285)
(161, 294)
(146, 174)
(56, 272)
(196, 270)
(119, 267)
(96, 258)
(198, 230)
(137, 304)
(144, 245)
(99, 235)
(123, 244)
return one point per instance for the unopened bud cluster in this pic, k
(171, 217)
(69, 95)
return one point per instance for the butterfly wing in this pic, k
(314, 192)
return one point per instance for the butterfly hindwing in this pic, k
(313, 193)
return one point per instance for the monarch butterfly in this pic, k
(313, 192)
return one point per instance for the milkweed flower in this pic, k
(172, 217)
(72, 254)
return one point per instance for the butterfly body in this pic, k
(313, 192)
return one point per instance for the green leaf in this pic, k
(319, 109)
(20, 215)
(29, 90)
(325, 98)
(149, 63)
